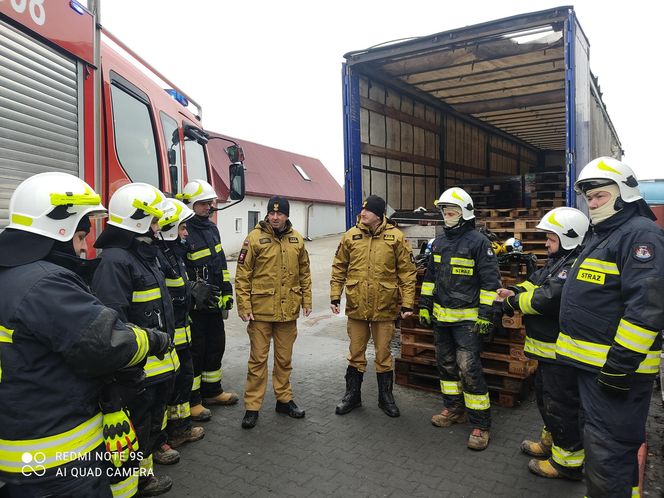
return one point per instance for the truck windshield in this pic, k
(196, 165)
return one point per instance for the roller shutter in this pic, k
(39, 112)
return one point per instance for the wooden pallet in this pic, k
(507, 392)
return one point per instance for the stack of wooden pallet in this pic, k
(546, 190)
(507, 370)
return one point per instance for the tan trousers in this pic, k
(359, 332)
(260, 333)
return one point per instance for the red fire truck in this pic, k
(74, 98)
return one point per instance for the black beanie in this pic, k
(84, 225)
(375, 204)
(279, 204)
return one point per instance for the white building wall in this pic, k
(325, 219)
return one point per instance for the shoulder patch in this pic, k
(357, 236)
(242, 256)
(562, 274)
(643, 252)
(388, 237)
(293, 240)
(264, 241)
(489, 252)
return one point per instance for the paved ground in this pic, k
(364, 453)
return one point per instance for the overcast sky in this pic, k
(270, 72)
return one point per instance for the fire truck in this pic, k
(74, 98)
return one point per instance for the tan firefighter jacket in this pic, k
(377, 270)
(273, 278)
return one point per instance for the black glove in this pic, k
(205, 296)
(335, 302)
(613, 382)
(509, 305)
(158, 343)
(405, 310)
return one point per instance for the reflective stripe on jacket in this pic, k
(376, 271)
(539, 300)
(57, 343)
(461, 278)
(612, 309)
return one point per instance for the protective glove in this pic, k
(119, 436)
(613, 382)
(509, 305)
(158, 343)
(205, 295)
(482, 326)
(335, 302)
(425, 317)
(225, 302)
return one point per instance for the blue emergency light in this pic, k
(177, 96)
(77, 7)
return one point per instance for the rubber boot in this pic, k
(385, 398)
(353, 397)
(538, 449)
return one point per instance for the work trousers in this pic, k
(460, 370)
(260, 334)
(359, 332)
(178, 407)
(208, 343)
(614, 429)
(557, 395)
(148, 414)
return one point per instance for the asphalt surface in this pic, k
(364, 453)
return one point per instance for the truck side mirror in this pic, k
(236, 181)
(235, 153)
(173, 170)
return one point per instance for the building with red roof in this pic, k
(316, 199)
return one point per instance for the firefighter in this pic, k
(272, 283)
(457, 295)
(70, 342)
(206, 262)
(538, 298)
(611, 317)
(374, 264)
(130, 281)
(172, 235)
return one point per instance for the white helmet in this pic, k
(175, 213)
(569, 224)
(457, 197)
(52, 204)
(601, 171)
(513, 245)
(195, 191)
(133, 205)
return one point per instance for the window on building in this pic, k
(134, 137)
(238, 225)
(302, 173)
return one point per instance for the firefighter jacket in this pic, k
(538, 298)
(377, 270)
(179, 287)
(273, 278)
(461, 278)
(205, 257)
(130, 281)
(611, 308)
(57, 343)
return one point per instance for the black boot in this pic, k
(385, 398)
(353, 397)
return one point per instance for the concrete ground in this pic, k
(364, 453)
